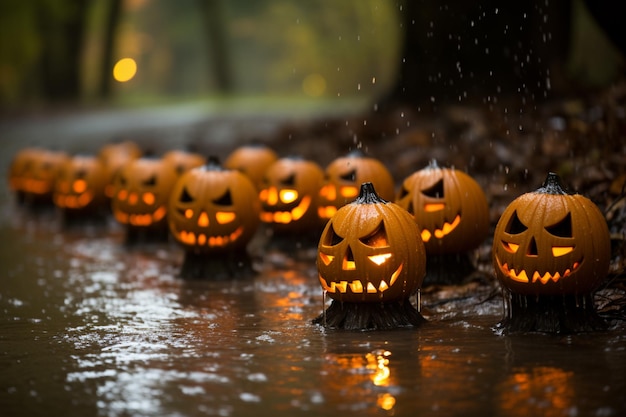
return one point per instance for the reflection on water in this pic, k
(89, 327)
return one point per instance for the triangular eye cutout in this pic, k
(403, 192)
(349, 176)
(185, 197)
(224, 200)
(515, 225)
(562, 228)
(332, 238)
(377, 239)
(436, 191)
(81, 173)
(290, 180)
(150, 181)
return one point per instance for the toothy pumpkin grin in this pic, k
(357, 287)
(202, 239)
(536, 276)
(73, 201)
(286, 217)
(141, 219)
(446, 229)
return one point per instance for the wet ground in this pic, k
(90, 327)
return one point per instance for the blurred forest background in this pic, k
(65, 51)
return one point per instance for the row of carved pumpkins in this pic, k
(546, 242)
(295, 194)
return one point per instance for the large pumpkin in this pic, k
(549, 242)
(80, 185)
(213, 209)
(344, 176)
(252, 160)
(141, 193)
(289, 193)
(370, 251)
(449, 207)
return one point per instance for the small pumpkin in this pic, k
(289, 193)
(449, 206)
(113, 156)
(183, 161)
(212, 209)
(253, 160)
(370, 251)
(142, 189)
(33, 172)
(344, 176)
(549, 242)
(80, 185)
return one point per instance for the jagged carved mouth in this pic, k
(73, 201)
(286, 217)
(532, 277)
(359, 287)
(446, 229)
(202, 239)
(141, 219)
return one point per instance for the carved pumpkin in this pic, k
(114, 156)
(252, 160)
(370, 251)
(344, 177)
(141, 193)
(213, 209)
(182, 161)
(548, 242)
(289, 194)
(80, 185)
(449, 207)
(32, 174)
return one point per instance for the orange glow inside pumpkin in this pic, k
(523, 275)
(356, 286)
(446, 229)
(202, 239)
(141, 219)
(286, 217)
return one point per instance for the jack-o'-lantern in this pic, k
(289, 194)
(182, 161)
(548, 242)
(252, 160)
(141, 193)
(32, 174)
(113, 157)
(449, 207)
(370, 251)
(212, 209)
(343, 178)
(80, 184)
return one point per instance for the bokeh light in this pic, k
(124, 70)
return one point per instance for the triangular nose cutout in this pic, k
(348, 260)
(532, 248)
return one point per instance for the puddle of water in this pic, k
(89, 327)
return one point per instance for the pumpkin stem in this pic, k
(552, 185)
(432, 164)
(368, 195)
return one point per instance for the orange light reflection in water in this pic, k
(355, 377)
(538, 391)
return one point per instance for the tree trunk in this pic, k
(459, 51)
(219, 53)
